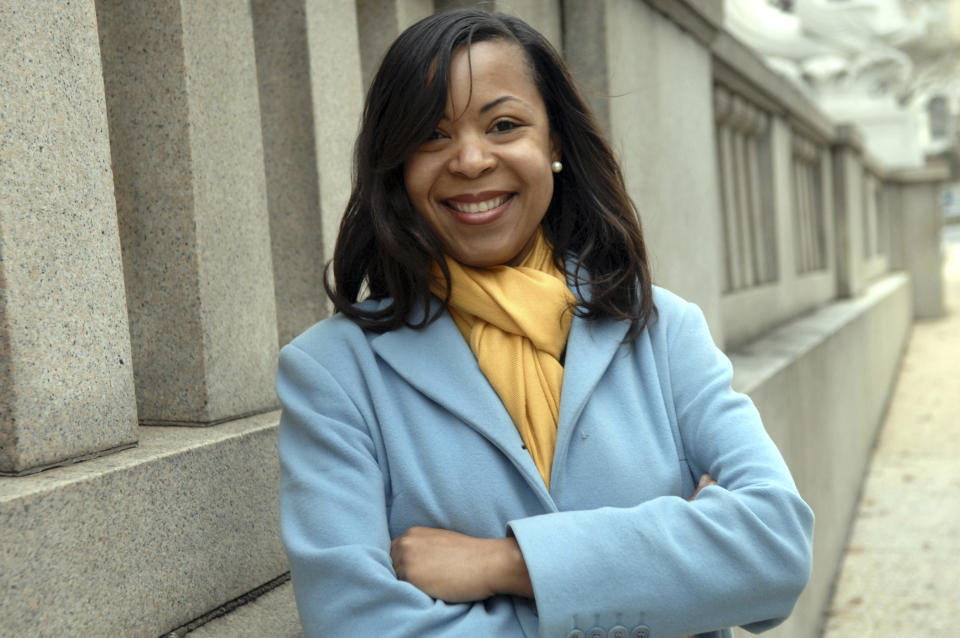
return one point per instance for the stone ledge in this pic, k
(767, 356)
(139, 542)
(273, 614)
(821, 383)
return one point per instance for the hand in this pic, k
(458, 568)
(705, 481)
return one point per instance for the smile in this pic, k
(478, 207)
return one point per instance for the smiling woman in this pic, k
(515, 434)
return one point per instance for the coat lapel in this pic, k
(591, 347)
(439, 364)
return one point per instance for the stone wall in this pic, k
(171, 182)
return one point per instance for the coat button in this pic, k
(640, 631)
(596, 632)
(618, 632)
(576, 633)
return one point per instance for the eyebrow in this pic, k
(500, 100)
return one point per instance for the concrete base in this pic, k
(143, 541)
(822, 383)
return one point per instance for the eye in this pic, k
(504, 126)
(436, 135)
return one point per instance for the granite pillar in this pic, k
(336, 94)
(290, 164)
(379, 23)
(585, 52)
(181, 89)
(66, 386)
(848, 211)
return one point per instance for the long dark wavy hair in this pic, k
(387, 245)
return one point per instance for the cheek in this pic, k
(416, 183)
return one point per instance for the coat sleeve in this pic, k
(334, 523)
(740, 554)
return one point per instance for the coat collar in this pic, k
(439, 364)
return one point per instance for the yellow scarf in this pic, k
(516, 321)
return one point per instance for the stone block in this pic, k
(182, 101)
(140, 542)
(66, 385)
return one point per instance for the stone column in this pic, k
(379, 22)
(66, 385)
(181, 88)
(336, 93)
(290, 162)
(921, 229)
(663, 133)
(585, 52)
(848, 211)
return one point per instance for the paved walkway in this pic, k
(901, 574)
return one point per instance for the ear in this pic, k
(555, 148)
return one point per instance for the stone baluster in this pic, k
(181, 88)
(723, 108)
(66, 382)
(848, 210)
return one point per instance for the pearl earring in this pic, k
(556, 167)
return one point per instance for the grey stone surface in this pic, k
(336, 89)
(848, 219)
(140, 542)
(821, 384)
(411, 11)
(920, 228)
(66, 386)
(290, 162)
(663, 132)
(377, 28)
(379, 22)
(542, 15)
(274, 614)
(585, 52)
(191, 200)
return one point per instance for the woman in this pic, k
(503, 439)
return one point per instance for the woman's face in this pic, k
(483, 180)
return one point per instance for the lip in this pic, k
(478, 219)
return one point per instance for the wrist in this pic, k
(508, 574)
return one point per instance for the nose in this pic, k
(472, 157)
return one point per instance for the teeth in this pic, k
(478, 207)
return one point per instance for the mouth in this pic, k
(471, 205)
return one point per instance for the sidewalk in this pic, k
(901, 573)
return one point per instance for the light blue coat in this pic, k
(384, 432)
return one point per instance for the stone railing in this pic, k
(746, 189)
